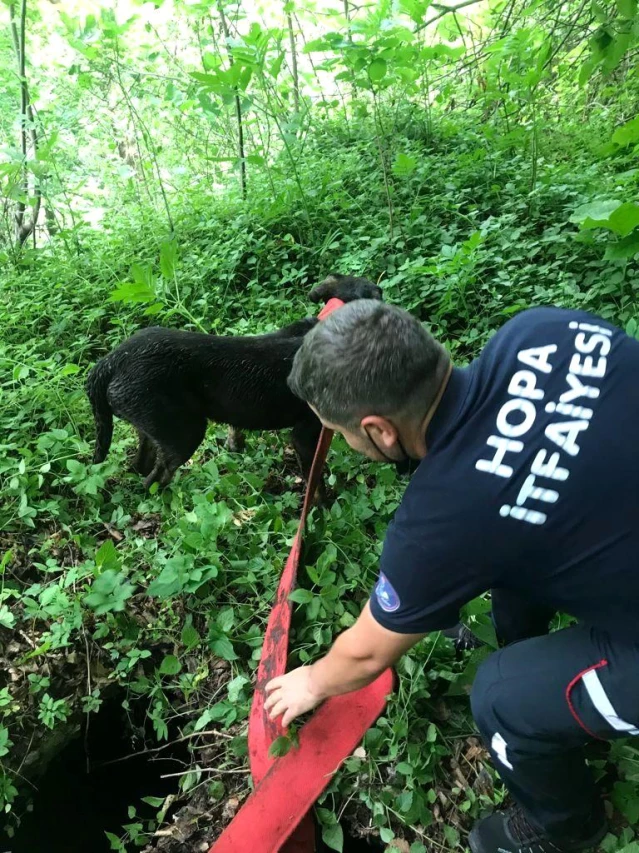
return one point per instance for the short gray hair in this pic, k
(368, 358)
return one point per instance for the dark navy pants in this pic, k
(539, 701)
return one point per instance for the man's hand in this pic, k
(358, 656)
(291, 695)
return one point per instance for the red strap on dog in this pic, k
(332, 305)
(277, 816)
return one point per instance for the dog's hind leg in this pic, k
(145, 458)
(175, 446)
(235, 440)
(305, 435)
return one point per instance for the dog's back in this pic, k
(233, 380)
(168, 383)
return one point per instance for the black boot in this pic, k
(511, 832)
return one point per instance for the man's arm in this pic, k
(357, 657)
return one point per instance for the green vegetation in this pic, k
(202, 165)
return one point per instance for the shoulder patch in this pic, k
(386, 596)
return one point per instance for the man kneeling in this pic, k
(528, 486)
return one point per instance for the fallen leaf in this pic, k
(398, 845)
(230, 808)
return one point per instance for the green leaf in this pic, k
(317, 46)
(172, 579)
(106, 556)
(223, 648)
(156, 802)
(625, 796)
(109, 593)
(417, 847)
(451, 835)
(386, 835)
(132, 292)
(633, 847)
(276, 65)
(624, 219)
(70, 370)
(190, 779)
(210, 60)
(7, 619)
(405, 801)
(623, 249)
(235, 687)
(280, 747)
(168, 258)
(627, 134)
(301, 596)
(226, 619)
(463, 682)
(333, 837)
(190, 637)
(209, 80)
(5, 743)
(377, 70)
(170, 665)
(115, 843)
(404, 165)
(615, 51)
(627, 8)
(595, 214)
(588, 69)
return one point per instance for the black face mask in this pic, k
(404, 466)
(405, 460)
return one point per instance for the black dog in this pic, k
(169, 383)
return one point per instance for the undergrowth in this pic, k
(167, 594)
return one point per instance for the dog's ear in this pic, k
(325, 289)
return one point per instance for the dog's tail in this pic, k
(96, 387)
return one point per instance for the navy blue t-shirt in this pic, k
(531, 482)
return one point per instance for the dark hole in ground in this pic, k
(72, 809)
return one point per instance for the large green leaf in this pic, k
(595, 214)
(223, 648)
(624, 219)
(377, 70)
(627, 8)
(617, 216)
(627, 134)
(333, 837)
(170, 665)
(623, 249)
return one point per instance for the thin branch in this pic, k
(445, 10)
(211, 772)
(571, 29)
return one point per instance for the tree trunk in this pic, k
(238, 105)
(28, 132)
(296, 78)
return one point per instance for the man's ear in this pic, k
(384, 432)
